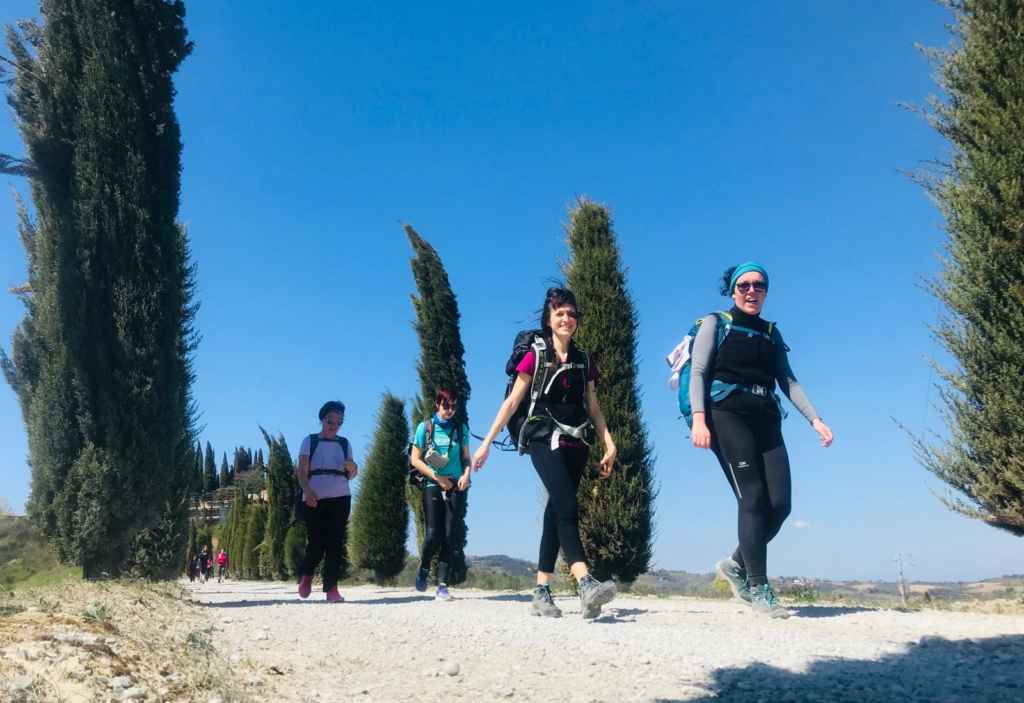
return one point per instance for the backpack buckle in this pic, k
(759, 390)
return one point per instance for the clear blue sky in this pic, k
(715, 132)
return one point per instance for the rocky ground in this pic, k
(387, 644)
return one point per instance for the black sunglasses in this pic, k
(759, 286)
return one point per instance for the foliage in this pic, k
(981, 195)
(248, 555)
(616, 514)
(281, 489)
(441, 362)
(295, 547)
(380, 520)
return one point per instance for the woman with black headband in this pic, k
(737, 414)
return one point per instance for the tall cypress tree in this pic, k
(225, 471)
(281, 487)
(981, 195)
(615, 514)
(210, 470)
(197, 470)
(380, 521)
(441, 362)
(255, 524)
(107, 339)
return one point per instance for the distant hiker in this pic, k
(204, 565)
(222, 564)
(324, 471)
(737, 358)
(552, 412)
(193, 568)
(440, 452)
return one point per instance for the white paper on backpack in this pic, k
(676, 359)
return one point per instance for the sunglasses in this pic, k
(447, 405)
(758, 286)
(331, 421)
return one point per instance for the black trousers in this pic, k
(560, 472)
(326, 528)
(441, 510)
(746, 435)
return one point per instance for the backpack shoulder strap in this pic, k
(345, 447)
(314, 439)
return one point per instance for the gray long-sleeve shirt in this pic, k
(704, 349)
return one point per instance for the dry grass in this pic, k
(99, 641)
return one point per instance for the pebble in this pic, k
(451, 668)
(121, 682)
(215, 699)
(136, 693)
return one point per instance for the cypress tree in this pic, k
(234, 531)
(197, 470)
(981, 195)
(255, 523)
(615, 514)
(441, 362)
(210, 483)
(281, 488)
(225, 471)
(106, 341)
(380, 521)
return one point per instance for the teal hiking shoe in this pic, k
(543, 604)
(594, 594)
(764, 602)
(736, 576)
(421, 579)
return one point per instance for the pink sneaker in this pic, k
(334, 597)
(305, 586)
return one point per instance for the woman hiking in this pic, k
(565, 412)
(440, 452)
(324, 472)
(738, 416)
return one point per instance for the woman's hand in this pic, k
(700, 434)
(463, 482)
(311, 498)
(351, 469)
(824, 432)
(480, 456)
(444, 482)
(604, 469)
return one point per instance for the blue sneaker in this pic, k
(442, 593)
(421, 579)
(764, 602)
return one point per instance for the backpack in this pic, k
(679, 359)
(528, 421)
(314, 440)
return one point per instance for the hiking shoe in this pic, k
(442, 593)
(764, 602)
(736, 576)
(594, 594)
(305, 586)
(421, 579)
(334, 597)
(543, 604)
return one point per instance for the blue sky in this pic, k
(715, 133)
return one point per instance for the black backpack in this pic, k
(525, 424)
(314, 440)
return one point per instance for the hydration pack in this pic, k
(531, 417)
(679, 359)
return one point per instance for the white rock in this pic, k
(214, 699)
(21, 683)
(451, 668)
(121, 682)
(136, 693)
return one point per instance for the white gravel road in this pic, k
(391, 644)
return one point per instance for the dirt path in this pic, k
(389, 644)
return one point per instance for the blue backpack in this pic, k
(681, 362)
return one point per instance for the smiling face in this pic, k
(562, 321)
(331, 423)
(750, 292)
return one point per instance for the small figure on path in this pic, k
(555, 385)
(324, 471)
(222, 565)
(737, 358)
(440, 452)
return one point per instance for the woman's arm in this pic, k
(700, 362)
(795, 392)
(519, 389)
(601, 427)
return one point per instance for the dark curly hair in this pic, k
(556, 297)
(724, 288)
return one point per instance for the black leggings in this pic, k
(326, 526)
(753, 456)
(560, 472)
(440, 520)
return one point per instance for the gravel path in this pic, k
(390, 644)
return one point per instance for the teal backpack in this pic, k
(681, 363)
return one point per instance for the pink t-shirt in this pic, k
(528, 365)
